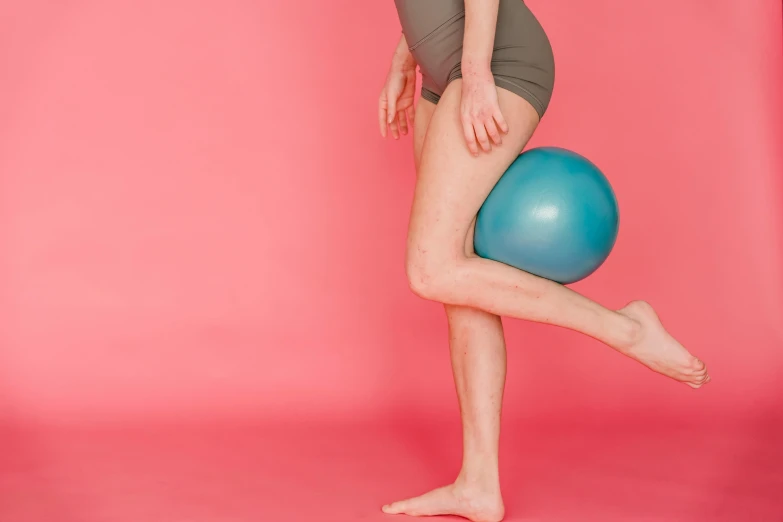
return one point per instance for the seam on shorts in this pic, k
(538, 105)
(430, 96)
(432, 33)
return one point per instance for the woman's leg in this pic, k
(478, 359)
(451, 186)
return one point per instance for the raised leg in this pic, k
(451, 186)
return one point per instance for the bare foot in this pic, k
(455, 499)
(661, 352)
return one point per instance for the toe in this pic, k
(392, 508)
(697, 364)
(698, 379)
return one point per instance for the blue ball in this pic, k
(552, 213)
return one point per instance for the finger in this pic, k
(492, 131)
(501, 121)
(395, 130)
(470, 136)
(382, 115)
(411, 114)
(391, 111)
(481, 136)
(403, 122)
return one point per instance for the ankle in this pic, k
(479, 480)
(627, 332)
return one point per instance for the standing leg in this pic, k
(478, 359)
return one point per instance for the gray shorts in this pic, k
(522, 60)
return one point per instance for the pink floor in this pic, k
(237, 473)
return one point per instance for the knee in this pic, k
(428, 273)
(423, 276)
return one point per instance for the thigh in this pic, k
(424, 111)
(462, 320)
(452, 184)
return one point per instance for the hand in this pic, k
(482, 120)
(395, 105)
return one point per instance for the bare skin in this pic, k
(478, 360)
(454, 178)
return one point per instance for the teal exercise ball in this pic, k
(553, 214)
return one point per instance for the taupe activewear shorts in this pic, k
(522, 60)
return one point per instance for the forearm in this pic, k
(480, 21)
(402, 55)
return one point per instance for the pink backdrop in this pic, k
(199, 217)
(200, 221)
